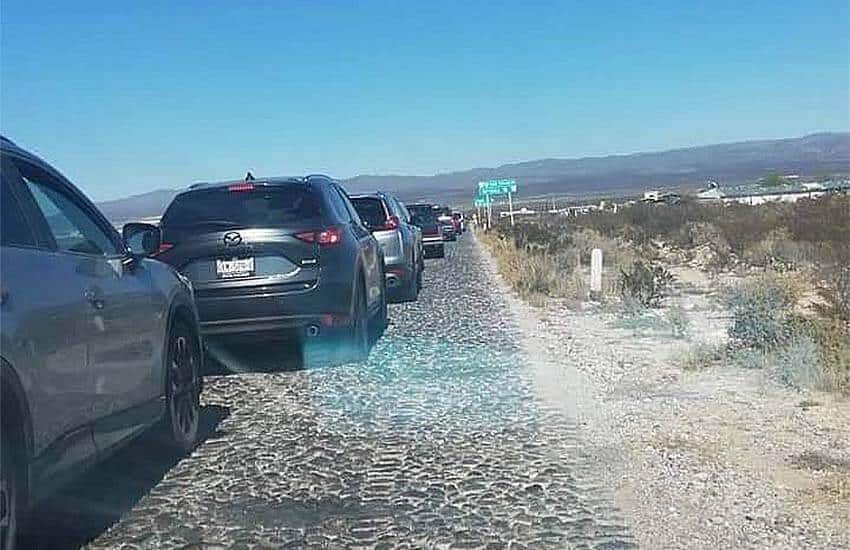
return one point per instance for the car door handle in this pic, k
(93, 297)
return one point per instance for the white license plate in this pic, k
(237, 267)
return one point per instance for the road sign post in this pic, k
(511, 208)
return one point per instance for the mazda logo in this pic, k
(232, 239)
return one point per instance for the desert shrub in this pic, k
(646, 284)
(798, 363)
(708, 237)
(836, 294)
(779, 251)
(614, 251)
(678, 321)
(760, 310)
(701, 356)
(832, 336)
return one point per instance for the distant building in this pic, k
(521, 212)
(754, 193)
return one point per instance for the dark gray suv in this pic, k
(277, 258)
(98, 342)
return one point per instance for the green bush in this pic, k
(799, 363)
(760, 310)
(646, 284)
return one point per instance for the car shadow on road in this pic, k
(225, 358)
(83, 510)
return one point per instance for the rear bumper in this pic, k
(264, 311)
(397, 277)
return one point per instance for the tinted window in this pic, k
(15, 229)
(422, 212)
(370, 209)
(73, 228)
(220, 209)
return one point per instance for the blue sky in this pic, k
(126, 97)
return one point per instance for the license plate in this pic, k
(237, 267)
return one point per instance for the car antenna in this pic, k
(249, 176)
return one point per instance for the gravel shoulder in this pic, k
(718, 458)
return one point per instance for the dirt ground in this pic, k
(720, 457)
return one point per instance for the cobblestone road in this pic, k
(437, 442)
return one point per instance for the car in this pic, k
(99, 342)
(460, 223)
(424, 216)
(449, 225)
(280, 259)
(400, 240)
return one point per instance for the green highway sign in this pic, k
(496, 187)
(480, 201)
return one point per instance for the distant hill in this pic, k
(727, 163)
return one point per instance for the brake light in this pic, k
(392, 223)
(240, 187)
(163, 247)
(325, 237)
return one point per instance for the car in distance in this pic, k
(449, 225)
(424, 216)
(273, 258)
(460, 222)
(400, 240)
(99, 342)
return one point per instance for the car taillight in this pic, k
(239, 187)
(325, 237)
(392, 223)
(163, 247)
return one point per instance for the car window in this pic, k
(223, 209)
(15, 230)
(370, 209)
(72, 227)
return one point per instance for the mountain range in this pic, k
(726, 163)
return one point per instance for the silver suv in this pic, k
(400, 240)
(98, 341)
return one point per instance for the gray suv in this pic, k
(391, 224)
(99, 342)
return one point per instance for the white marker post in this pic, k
(596, 274)
(489, 213)
(511, 208)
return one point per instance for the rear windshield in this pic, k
(371, 210)
(422, 214)
(221, 209)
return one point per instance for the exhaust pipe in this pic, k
(312, 330)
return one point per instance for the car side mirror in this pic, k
(142, 239)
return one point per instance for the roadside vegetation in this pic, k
(789, 304)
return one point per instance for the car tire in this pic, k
(411, 290)
(359, 336)
(11, 493)
(182, 389)
(380, 321)
(419, 270)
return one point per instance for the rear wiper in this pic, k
(222, 223)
